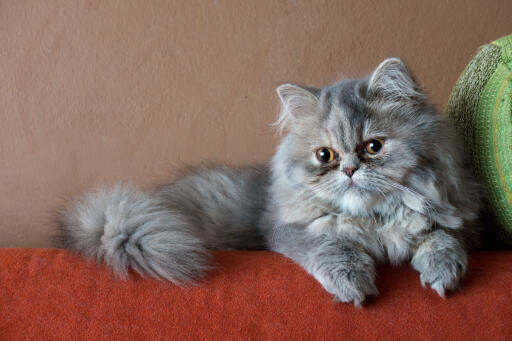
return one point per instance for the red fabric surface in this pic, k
(53, 294)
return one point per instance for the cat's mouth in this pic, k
(354, 186)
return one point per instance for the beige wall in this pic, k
(98, 91)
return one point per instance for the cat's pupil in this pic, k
(325, 155)
(375, 145)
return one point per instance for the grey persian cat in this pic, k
(366, 172)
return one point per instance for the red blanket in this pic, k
(52, 295)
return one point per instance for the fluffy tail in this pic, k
(128, 229)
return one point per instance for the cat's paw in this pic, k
(355, 288)
(350, 286)
(442, 270)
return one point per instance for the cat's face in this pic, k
(355, 144)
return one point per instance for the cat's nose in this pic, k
(349, 171)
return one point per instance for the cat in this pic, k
(367, 172)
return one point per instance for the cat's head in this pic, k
(359, 142)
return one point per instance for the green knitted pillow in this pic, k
(480, 107)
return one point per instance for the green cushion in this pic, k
(480, 107)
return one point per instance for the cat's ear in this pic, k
(298, 103)
(393, 81)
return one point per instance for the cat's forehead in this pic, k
(347, 118)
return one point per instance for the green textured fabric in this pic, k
(480, 107)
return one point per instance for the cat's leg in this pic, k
(343, 268)
(341, 265)
(441, 261)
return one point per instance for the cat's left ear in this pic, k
(393, 81)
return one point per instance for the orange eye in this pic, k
(325, 155)
(374, 146)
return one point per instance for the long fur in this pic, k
(167, 233)
(412, 201)
(128, 229)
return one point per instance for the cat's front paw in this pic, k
(350, 285)
(442, 270)
(355, 288)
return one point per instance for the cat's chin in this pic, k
(357, 201)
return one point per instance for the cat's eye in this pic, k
(374, 146)
(325, 155)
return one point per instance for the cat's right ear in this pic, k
(298, 104)
(393, 82)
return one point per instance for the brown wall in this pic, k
(98, 91)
